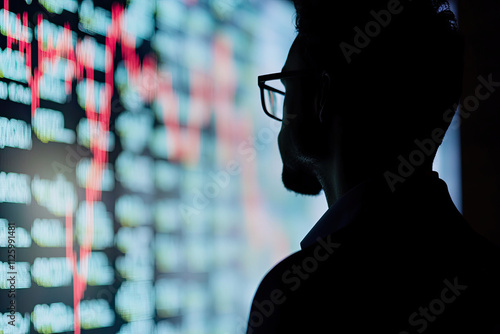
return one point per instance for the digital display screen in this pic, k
(140, 186)
(140, 182)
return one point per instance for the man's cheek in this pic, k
(286, 144)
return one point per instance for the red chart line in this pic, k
(80, 67)
(79, 54)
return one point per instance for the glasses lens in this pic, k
(274, 101)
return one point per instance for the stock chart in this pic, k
(139, 179)
(140, 185)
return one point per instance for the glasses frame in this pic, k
(261, 80)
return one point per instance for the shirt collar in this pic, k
(351, 204)
(339, 215)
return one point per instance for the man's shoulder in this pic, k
(352, 274)
(408, 264)
(292, 289)
(295, 270)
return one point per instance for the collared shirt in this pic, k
(339, 215)
(348, 207)
(375, 259)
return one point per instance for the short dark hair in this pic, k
(403, 80)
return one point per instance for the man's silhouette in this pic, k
(369, 89)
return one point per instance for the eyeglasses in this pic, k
(272, 92)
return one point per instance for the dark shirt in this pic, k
(385, 262)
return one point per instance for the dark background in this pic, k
(479, 22)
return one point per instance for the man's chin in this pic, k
(300, 181)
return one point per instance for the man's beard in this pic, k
(301, 181)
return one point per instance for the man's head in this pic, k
(382, 73)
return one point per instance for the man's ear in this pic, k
(323, 95)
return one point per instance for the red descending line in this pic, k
(79, 56)
(80, 66)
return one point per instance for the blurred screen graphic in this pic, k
(140, 182)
